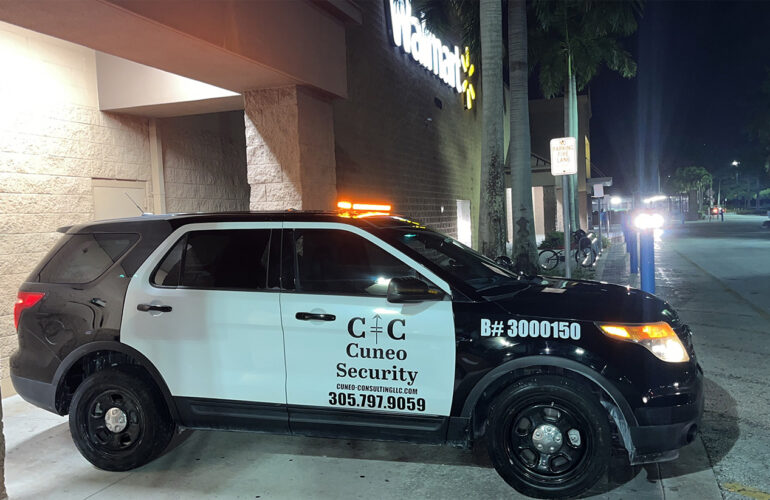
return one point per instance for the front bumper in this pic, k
(664, 430)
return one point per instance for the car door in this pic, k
(347, 347)
(204, 309)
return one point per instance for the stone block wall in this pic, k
(204, 162)
(402, 135)
(53, 141)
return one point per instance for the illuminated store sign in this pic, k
(414, 38)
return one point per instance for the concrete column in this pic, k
(289, 150)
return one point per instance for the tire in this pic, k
(585, 257)
(547, 260)
(532, 408)
(147, 424)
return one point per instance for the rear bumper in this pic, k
(38, 393)
(667, 429)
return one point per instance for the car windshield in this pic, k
(458, 260)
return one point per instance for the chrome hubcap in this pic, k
(115, 420)
(547, 438)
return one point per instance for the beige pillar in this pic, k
(289, 149)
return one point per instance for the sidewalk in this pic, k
(691, 475)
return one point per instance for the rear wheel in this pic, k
(549, 437)
(118, 420)
(585, 257)
(547, 260)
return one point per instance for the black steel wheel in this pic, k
(547, 260)
(118, 420)
(549, 437)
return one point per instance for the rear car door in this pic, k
(204, 308)
(347, 347)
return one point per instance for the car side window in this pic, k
(236, 259)
(336, 261)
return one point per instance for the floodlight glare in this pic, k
(648, 221)
(616, 200)
(653, 199)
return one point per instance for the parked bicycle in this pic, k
(584, 253)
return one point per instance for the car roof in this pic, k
(177, 220)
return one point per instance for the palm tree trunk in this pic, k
(524, 246)
(492, 204)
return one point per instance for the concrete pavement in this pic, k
(716, 275)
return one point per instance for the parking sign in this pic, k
(563, 156)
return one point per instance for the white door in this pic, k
(116, 199)
(346, 345)
(222, 336)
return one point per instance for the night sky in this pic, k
(700, 66)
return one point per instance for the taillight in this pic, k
(23, 301)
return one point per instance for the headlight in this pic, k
(658, 338)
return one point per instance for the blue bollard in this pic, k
(647, 260)
(633, 252)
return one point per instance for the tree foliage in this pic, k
(589, 30)
(687, 179)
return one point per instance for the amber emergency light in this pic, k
(659, 338)
(358, 210)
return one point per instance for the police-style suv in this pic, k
(324, 324)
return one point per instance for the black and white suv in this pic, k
(327, 324)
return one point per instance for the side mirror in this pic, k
(505, 262)
(402, 290)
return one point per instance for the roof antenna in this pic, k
(142, 212)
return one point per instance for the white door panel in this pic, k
(372, 348)
(374, 356)
(214, 343)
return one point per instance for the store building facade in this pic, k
(116, 107)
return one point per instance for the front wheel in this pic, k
(549, 437)
(118, 420)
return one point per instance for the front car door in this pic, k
(349, 350)
(211, 323)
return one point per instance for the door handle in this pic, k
(305, 316)
(150, 307)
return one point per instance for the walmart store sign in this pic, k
(414, 38)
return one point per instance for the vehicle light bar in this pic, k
(346, 205)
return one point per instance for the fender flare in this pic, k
(107, 345)
(567, 364)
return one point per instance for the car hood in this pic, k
(583, 300)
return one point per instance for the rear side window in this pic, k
(235, 259)
(85, 257)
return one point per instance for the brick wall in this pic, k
(392, 142)
(204, 162)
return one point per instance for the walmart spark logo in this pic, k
(469, 93)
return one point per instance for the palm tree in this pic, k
(524, 252)
(570, 41)
(492, 224)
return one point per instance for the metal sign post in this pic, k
(564, 163)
